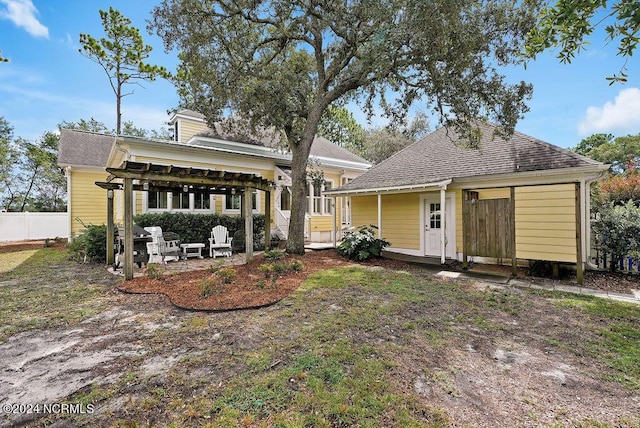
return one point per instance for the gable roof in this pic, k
(437, 158)
(80, 148)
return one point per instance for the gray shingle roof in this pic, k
(437, 157)
(81, 148)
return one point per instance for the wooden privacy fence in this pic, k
(488, 228)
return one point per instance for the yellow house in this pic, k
(516, 199)
(85, 157)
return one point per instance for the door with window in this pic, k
(433, 226)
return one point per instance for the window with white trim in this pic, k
(232, 202)
(157, 200)
(180, 200)
(328, 203)
(202, 201)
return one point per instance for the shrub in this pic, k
(90, 245)
(266, 269)
(216, 266)
(362, 244)
(296, 266)
(206, 286)
(618, 230)
(197, 227)
(226, 275)
(153, 270)
(274, 254)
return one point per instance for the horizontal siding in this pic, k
(401, 220)
(364, 210)
(498, 193)
(546, 223)
(189, 129)
(88, 201)
(322, 223)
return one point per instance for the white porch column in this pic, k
(335, 220)
(443, 225)
(379, 216)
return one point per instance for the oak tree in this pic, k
(568, 24)
(282, 63)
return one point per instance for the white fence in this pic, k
(27, 226)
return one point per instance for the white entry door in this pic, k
(433, 226)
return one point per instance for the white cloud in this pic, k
(621, 115)
(23, 14)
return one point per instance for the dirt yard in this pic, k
(366, 345)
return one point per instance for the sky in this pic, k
(48, 81)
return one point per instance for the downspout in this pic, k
(587, 222)
(380, 215)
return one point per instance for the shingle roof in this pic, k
(437, 157)
(81, 148)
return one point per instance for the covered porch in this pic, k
(146, 177)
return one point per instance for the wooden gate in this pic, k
(488, 228)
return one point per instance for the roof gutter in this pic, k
(438, 185)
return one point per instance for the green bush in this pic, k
(226, 274)
(296, 266)
(362, 244)
(90, 245)
(618, 231)
(154, 270)
(196, 227)
(274, 254)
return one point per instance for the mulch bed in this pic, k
(248, 289)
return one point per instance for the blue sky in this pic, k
(48, 81)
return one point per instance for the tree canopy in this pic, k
(282, 63)
(3, 59)
(569, 23)
(122, 56)
(620, 152)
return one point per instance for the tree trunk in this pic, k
(118, 113)
(300, 158)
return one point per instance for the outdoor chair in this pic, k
(220, 242)
(169, 246)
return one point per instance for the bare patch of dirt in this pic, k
(11, 247)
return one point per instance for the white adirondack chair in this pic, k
(220, 242)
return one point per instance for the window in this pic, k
(180, 201)
(434, 210)
(328, 202)
(232, 202)
(317, 198)
(202, 201)
(157, 200)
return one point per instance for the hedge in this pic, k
(197, 227)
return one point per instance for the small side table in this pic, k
(192, 250)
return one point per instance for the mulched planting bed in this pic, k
(249, 287)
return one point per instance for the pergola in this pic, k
(166, 178)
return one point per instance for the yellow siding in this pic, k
(322, 223)
(497, 193)
(401, 220)
(364, 210)
(88, 201)
(546, 223)
(188, 129)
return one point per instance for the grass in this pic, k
(344, 350)
(40, 291)
(617, 343)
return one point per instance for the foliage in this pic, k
(618, 231)
(296, 265)
(93, 125)
(281, 64)
(197, 227)
(29, 176)
(621, 153)
(340, 127)
(620, 188)
(154, 270)
(274, 254)
(569, 23)
(121, 55)
(226, 274)
(206, 287)
(3, 59)
(90, 245)
(591, 142)
(362, 244)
